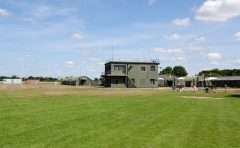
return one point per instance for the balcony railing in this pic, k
(113, 74)
(134, 60)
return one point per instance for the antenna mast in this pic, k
(112, 53)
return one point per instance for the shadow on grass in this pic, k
(235, 96)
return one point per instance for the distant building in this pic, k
(77, 81)
(230, 81)
(32, 82)
(199, 81)
(136, 74)
(12, 81)
(167, 80)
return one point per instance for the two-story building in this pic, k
(123, 74)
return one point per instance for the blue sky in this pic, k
(70, 38)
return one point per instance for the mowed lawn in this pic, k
(90, 117)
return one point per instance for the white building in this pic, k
(12, 81)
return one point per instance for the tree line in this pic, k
(42, 79)
(218, 73)
(180, 71)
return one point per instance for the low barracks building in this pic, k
(77, 81)
(123, 74)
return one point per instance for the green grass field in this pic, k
(90, 117)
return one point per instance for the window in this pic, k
(108, 67)
(152, 68)
(133, 80)
(115, 81)
(119, 67)
(152, 81)
(143, 68)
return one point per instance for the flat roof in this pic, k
(228, 78)
(155, 62)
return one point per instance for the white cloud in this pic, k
(201, 38)
(235, 63)
(181, 22)
(214, 56)
(43, 12)
(93, 59)
(101, 63)
(174, 59)
(77, 36)
(178, 59)
(218, 10)
(189, 48)
(91, 70)
(237, 36)
(168, 50)
(83, 62)
(151, 2)
(69, 65)
(214, 63)
(4, 12)
(70, 62)
(193, 48)
(30, 20)
(173, 37)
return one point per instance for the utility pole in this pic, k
(22, 64)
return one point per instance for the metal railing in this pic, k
(134, 60)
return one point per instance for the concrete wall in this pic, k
(142, 79)
(118, 86)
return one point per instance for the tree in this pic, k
(217, 72)
(14, 77)
(31, 78)
(167, 70)
(179, 71)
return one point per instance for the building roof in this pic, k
(167, 77)
(141, 61)
(228, 78)
(76, 78)
(200, 78)
(84, 78)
